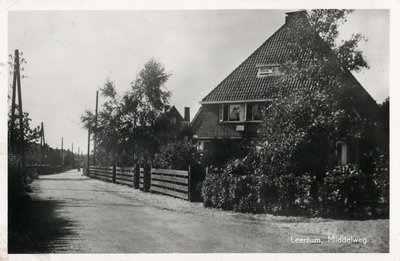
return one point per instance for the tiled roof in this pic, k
(171, 110)
(243, 83)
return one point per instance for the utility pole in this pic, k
(42, 149)
(95, 129)
(88, 154)
(17, 84)
(62, 153)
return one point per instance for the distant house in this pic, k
(232, 110)
(175, 121)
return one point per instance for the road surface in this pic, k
(71, 213)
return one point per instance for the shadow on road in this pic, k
(35, 227)
(73, 179)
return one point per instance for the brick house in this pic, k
(175, 121)
(232, 110)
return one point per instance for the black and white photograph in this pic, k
(238, 129)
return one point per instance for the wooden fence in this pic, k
(102, 173)
(176, 183)
(125, 176)
(171, 182)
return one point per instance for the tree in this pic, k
(69, 159)
(53, 156)
(31, 136)
(131, 127)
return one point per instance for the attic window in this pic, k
(267, 70)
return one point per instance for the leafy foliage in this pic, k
(177, 155)
(349, 191)
(326, 23)
(225, 150)
(180, 154)
(131, 127)
(343, 192)
(246, 189)
(31, 136)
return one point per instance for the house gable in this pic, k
(174, 120)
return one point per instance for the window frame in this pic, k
(225, 108)
(343, 153)
(265, 70)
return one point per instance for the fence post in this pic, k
(114, 174)
(146, 177)
(136, 177)
(189, 184)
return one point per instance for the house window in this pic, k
(240, 112)
(267, 70)
(341, 152)
(253, 112)
(232, 112)
(203, 146)
(236, 112)
(173, 121)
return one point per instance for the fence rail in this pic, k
(103, 173)
(125, 176)
(171, 182)
(176, 183)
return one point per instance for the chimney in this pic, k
(187, 114)
(290, 16)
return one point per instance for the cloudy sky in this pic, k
(71, 53)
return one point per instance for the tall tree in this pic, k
(130, 126)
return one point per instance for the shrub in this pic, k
(244, 189)
(344, 191)
(348, 192)
(229, 188)
(15, 179)
(381, 176)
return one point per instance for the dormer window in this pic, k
(267, 70)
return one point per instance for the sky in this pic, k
(70, 54)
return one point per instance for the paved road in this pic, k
(71, 213)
